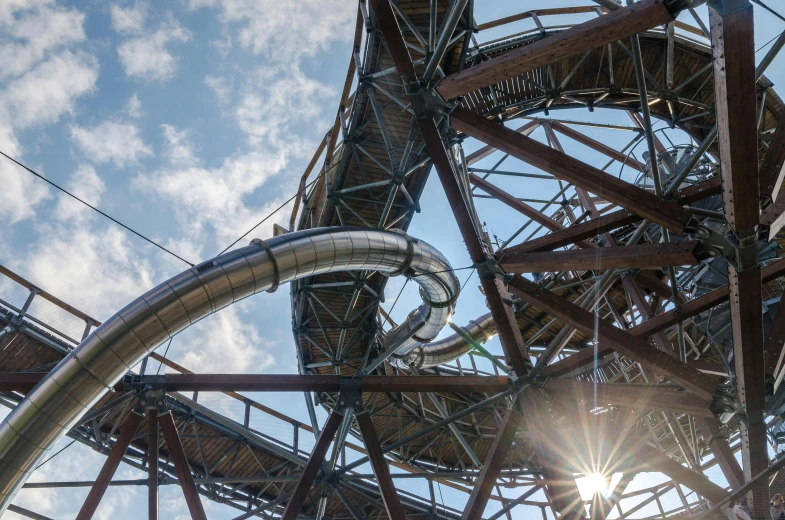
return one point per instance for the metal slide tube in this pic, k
(448, 349)
(86, 374)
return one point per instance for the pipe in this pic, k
(87, 373)
(448, 349)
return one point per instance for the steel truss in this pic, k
(641, 389)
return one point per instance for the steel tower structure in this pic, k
(640, 318)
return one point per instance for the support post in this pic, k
(181, 467)
(111, 464)
(152, 465)
(734, 90)
(312, 468)
(380, 468)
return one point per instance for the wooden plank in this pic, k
(181, 467)
(491, 468)
(380, 468)
(734, 90)
(646, 312)
(570, 42)
(312, 467)
(620, 341)
(110, 466)
(573, 234)
(487, 150)
(597, 146)
(660, 322)
(514, 203)
(733, 53)
(772, 170)
(580, 174)
(646, 256)
(772, 219)
(540, 12)
(723, 454)
(654, 397)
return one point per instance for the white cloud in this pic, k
(275, 102)
(211, 197)
(49, 90)
(178, 149)
(85, 184)
(147, 56)
(112, 141)
(220, 85)
(134, 107)
(29, 30)
(223, 343)
(98, 270)
(20, 193)
(41, 78)
(129, 20)
(286, 31)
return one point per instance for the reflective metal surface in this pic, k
(92, 369)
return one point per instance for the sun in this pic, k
(590, 484)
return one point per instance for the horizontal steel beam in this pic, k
(24, 381)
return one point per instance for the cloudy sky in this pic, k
(189, 121)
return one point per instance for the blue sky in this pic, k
(190, 121)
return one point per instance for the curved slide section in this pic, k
(84, 376)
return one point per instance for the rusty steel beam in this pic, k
(646, 312)
(381, 470)
(659, 323)
(654, 397)
(152, 465)
(19, 381)
(519, 206)
(23, 381)
(312, 467)
(584, 176)
(597, 146)
(487, 150)
(491, 468)
(773, 348)
(646, 256)
(570, 42)
(503, 315)
(572, 234)
(181, 467)
(110, 466)
(331, 383)
(621, 341)
(772, 219)
(723, 454)
(772, 170)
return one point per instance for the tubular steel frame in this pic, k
(642, 389)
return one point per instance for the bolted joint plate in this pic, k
(723, 7)
(351, 394)
(489, 269)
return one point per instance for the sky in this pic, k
(190, 121)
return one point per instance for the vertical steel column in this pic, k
(380, 468)
(152, 464)
(181, 467)
(312, 468)
(110, 466)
